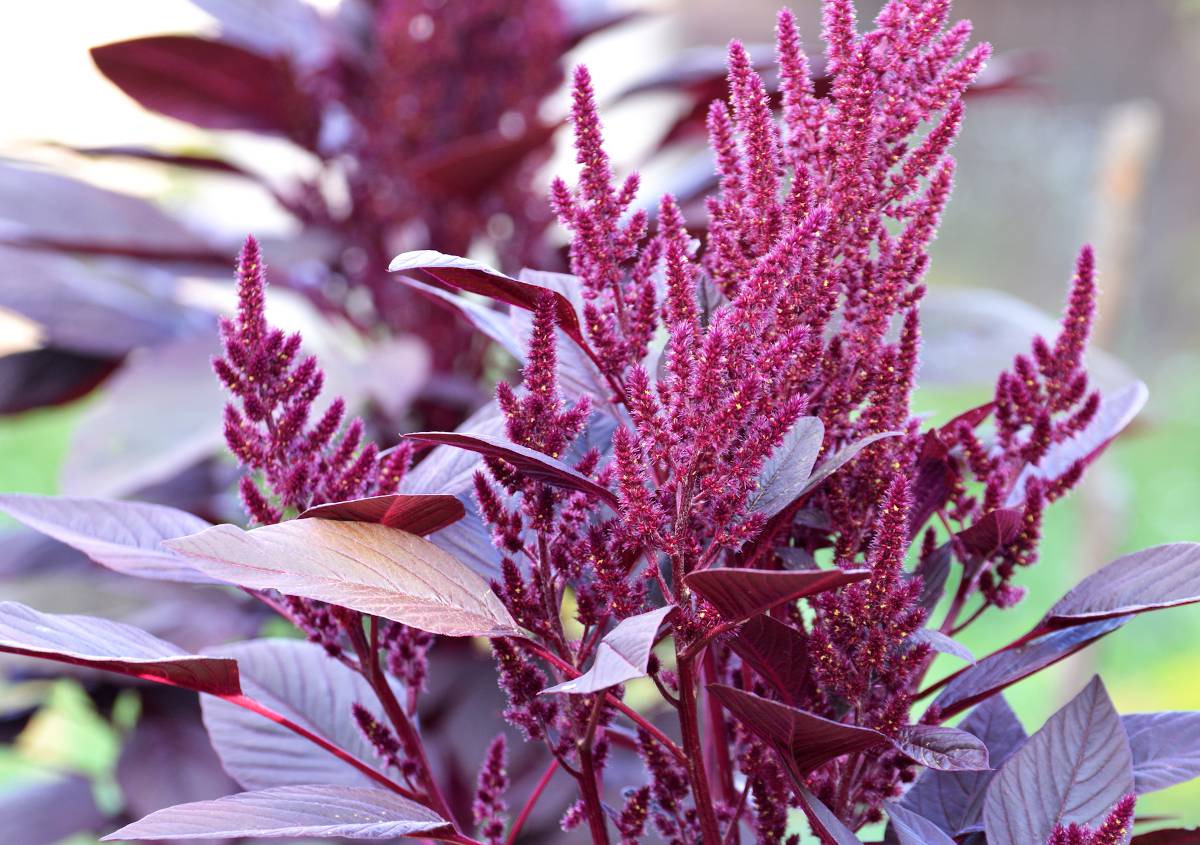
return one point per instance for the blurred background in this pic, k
(1097, 142)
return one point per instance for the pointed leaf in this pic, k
(827, 825)
(954, 800)
(1165, 747)
(123, 536)
(785, 473)
(941, 643)
(914, 829)
(47, 812)
(473, 165)
(369, 568)
(933, 572)
(944, 749)
(1157, 577)
(536, 464)
(112, 647)
(932, 483)
(289, 812)
(211, 84)
(416, 513)
(841, 459)
(490, 322)
(1073, 770)
(805, 739)
(622, 655)
(1004, 668)
(777, 652)
(742, 593)
(299, 681)
(990, 532)
(468, 275)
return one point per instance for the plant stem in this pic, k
(587, 779)
(538, 789)
(719, 740)
(689, 725)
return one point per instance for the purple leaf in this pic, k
(841, 459)
(1004, 668)
(1165, 747)
(586, 19)
(369, 568)
(622, 655)
(464, 274)
(824, 823)
(299, 681)
(44, 377)
(1157, 577)
(416, 513)
(1073, 770)
(1116, 411)
(191, 162)
(954, 800)
(112, 647)
(289, 812)
(49, 811)
(777, 652)
(739, 594)
(914, 829)
(805, 740)
(211, 84)
(786, 472)
(490, 322)
(941, 643)
(1172, 836)
(933, 572)
(535, 464)
(932, 484)
(123, 536)
(944, 749)
(275, 27)
(472, 165)
(990, 532)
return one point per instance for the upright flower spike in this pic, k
(489, 807)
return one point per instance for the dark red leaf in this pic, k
(535, 464)
(471, 166)
(209, 83)
(123, 536)
(932, 484)
(416, 513)
(777, 652)
(464, 274)
(944, 749)
(112, 647)
(1071, 771)
(1154, 578)
(739, 594)
(1011, 664)
(1165, 746)
(44, 377)
(289, 812)
(990, 532)
(805, 739)
(1172, 836)
(191, 162)
(934, 571)
(622, 655)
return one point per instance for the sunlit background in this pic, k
(1104, 146)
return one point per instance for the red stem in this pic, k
(538, 789)
(689, 725)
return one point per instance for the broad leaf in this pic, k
(739, 594)
(468, 275)
(1004, 668)
(473, 165)
(490, 322)
(1073, 770)
(785, 473)
(944, 749)
(933, 572)
(46, 812)
(804, 739)
(291, 27)
(44, 377)
(827, 825)
(622, 655)
(113, 647)
(299, 681)
(954, 800)
(1165, 747)
(841, 459)
(914, 829)
(1157, 577)
(991, 532)
(777, 652)
(123, 536)
(1169, 836)
(288, 812)
(211, 84)
(939, 642)
(535, 464)
(416, 513)
(932, 484)
(366, 567)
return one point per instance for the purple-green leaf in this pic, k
(622, 655)
(112, 647)
(370, 568)
(1073, 770)
(288, 812)
(739, 594)
(123, 536)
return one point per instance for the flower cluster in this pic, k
(1114, 830)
